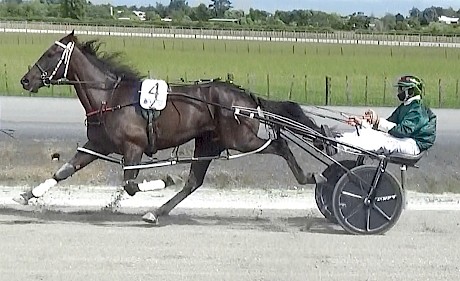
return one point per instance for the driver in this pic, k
(410, 129)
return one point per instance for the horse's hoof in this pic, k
(131, 188)
(150, 218)
(23, 198)
(173, 180)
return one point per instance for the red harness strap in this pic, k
(104, 109)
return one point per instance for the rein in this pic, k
(65, 81)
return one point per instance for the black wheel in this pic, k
(359, 212)
(323, 191)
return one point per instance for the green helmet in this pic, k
(409, 82)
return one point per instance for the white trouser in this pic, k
(377, 141)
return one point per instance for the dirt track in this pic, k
(252, 243)
(219, 244)
(66, 236)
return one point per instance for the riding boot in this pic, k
(24, 198)
(330, 149)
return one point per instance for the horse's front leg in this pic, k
(132, 157)
(78, 161)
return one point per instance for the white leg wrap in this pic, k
(43, 187)
(151, 185)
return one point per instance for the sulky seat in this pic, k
(405, 159)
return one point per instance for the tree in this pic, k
(258, 16)
(358, 21)
(200, 13)
(399, 18)
(162, 10)
(415, 13)
(75, 9)
(178, 6)
(220, 7)
(99, 12)
(389, 22)
(429, 15)
(152, 16)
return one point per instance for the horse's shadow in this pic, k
(106, 218)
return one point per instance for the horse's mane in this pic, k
(108, 61)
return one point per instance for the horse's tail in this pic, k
(289, 110)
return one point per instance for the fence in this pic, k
(339, 37)
(308, 86)
(330, 90)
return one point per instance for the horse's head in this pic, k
(51, 66)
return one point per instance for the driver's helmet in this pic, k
(412, 84)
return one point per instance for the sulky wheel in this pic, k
(323, 191)
(357, 211)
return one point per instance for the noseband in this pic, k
(65, 58)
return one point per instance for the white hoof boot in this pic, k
(23, 198)
(150, 218)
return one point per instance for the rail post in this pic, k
(306, 88)
(440, 93)
(456, 91)
(292, 86)
(366, 91)
(6, 81)
(268, 85)
(347, 90)
(328, 90)
(384, 89)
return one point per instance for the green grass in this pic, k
(294, 71)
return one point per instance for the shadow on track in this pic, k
(231, 219)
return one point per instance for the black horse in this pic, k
(108, 91)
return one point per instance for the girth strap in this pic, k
(151, 134)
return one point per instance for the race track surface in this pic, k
(250, 221)
(222, 244)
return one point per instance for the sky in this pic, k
(343, 7)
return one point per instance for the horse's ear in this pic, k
(72, 33)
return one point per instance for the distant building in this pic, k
(226, 20)
(140, 14)
(448, 20)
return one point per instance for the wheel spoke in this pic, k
(382, 212)
(360, 182)
(368, 219)
(352, 194)
(354, 211)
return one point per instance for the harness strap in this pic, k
(104, 109)
(65, 58)
(251, 152)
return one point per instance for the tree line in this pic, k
(180, 13)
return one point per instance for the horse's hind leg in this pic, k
(280, 147)
(203, 147)
(78, 161)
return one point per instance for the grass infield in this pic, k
(359, 74)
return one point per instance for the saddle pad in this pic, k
(153, 94)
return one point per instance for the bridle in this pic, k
(65, 59)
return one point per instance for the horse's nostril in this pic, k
(25, 81)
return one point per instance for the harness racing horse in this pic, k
(109, 93)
